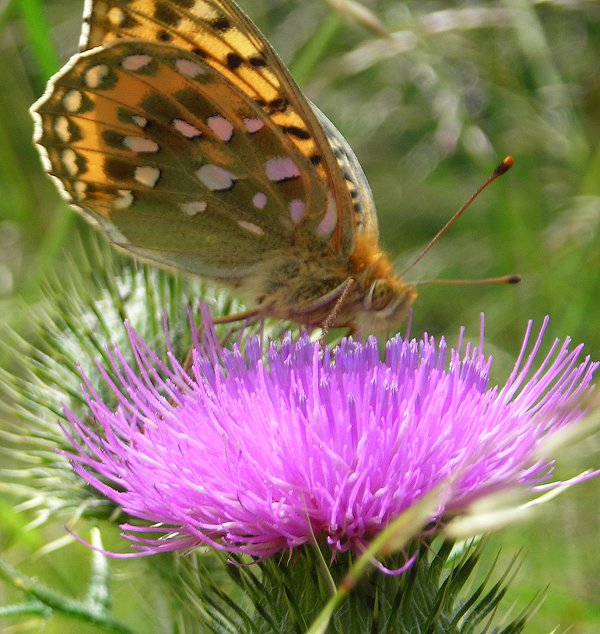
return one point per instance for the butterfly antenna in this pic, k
(506, 164)
(486, 281)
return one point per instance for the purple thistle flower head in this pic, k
(257, 453)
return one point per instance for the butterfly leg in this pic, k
(248, 315)
(353, 331)
(241, 327)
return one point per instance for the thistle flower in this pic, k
(258, 453)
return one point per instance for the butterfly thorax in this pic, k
(308, 291)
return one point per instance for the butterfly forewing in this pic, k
(226, 39)
(139, 136)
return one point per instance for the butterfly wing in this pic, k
(218, 32)
(177, 163)
(365, 214)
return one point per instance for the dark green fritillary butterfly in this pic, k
(179, 132)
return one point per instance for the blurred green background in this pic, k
(429, 111)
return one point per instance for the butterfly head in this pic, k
(382, 299)
(385, 305)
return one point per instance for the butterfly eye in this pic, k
(379, 295)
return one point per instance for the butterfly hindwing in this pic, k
(365, 214)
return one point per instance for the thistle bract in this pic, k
(259, 452)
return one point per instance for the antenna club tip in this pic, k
(506, 164)
(513, 279)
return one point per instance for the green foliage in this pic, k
(438, 594)
(43, 602)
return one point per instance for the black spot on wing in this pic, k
(234, 61)
(118, 170)
(165, 14)
(279, 104)
(257, 61)
(221, 24)
(299, 133)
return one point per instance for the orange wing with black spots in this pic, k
(225, 38)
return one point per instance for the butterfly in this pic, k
(178, 131)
